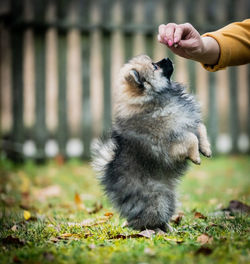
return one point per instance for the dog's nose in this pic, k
(164, 62)
(167, 67)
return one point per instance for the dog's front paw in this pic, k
(205, 149)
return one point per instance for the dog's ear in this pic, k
(134, 78)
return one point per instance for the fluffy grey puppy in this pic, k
(157, 127)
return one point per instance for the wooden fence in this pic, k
(107, 33)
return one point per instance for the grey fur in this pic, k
(139, 175)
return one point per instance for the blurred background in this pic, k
(59, 61)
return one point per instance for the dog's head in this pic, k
(143, 79)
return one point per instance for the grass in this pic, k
(59, 196)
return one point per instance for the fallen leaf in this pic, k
(120, 236)
(109, 214)
(50, 191)
(178, 241)
(204, 251)
(177, 218)
(149, 252)
(66, 235)
(14, 228)
(12, 241)
(199, 215)
(59, 159)
(72, 236)
(237, 207)
(147, 233)
(93, 222)
(96, 209)
(16, 259)
(204, 239)
(79, 202)
(26, 215)
(54, 239)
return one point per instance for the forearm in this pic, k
(210, 52)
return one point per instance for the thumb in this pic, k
(187, 44)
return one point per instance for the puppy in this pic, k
(157, 127)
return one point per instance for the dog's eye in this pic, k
(155, 66)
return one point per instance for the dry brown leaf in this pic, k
(199, 215)
(204, 251)
(92, 222)
(16, 259)
(177, 218)
(237, 207)
(54, 239)
(96, 209)
(79, 202)
(14, 228)
(178, 241)
(147, 233)
(109, 214)
(12, 241)
(59, 159)
(69, 236)
(50, 191)
(204, 239)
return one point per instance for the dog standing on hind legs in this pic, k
(157, 127)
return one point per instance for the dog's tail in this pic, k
(102, 154)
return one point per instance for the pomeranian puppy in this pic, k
(157, 127)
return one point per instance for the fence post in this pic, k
(40, 98)
(232, 71)
(213, 112)
(234, 113)
(149, 12)
(17, 134)
(86, 101)
(106, 6)
(128, 37)
(62, 130)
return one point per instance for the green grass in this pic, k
(41, 239)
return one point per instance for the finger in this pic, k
(159, 38)
(178, 33)
(186, 44)
(161, 30)
(169, 33)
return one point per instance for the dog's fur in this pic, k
(157, 126)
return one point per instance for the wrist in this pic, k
(210, 52)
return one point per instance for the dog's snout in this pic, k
(167, 67)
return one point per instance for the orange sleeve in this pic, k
(234, 42)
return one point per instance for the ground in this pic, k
(58, 213)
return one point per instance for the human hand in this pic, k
(185, 41)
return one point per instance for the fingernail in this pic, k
(175, 40)
(170, 43)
